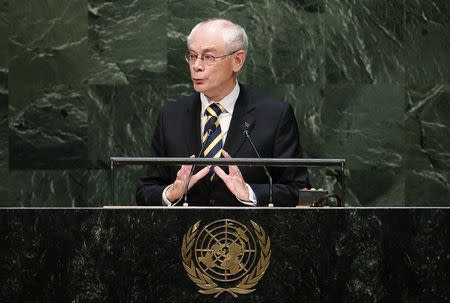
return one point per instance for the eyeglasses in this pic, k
(208, 59)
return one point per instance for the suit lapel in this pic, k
(193, 125)
(241, 116)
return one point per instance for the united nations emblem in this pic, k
(225, 257)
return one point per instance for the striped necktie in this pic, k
(213, 145)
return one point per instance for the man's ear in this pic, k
(238, 60)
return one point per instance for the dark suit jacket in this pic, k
(273, 129)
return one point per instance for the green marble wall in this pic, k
(83, 80)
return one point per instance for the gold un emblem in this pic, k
(225, 256)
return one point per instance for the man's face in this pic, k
(218, 79)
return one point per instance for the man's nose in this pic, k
(199, 64)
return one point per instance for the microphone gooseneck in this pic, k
(191, 173)
(247, 135)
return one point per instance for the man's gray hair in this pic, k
(234, 36)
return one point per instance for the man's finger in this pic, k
(180, 173)
(225, 154)
(232, 168)
(199, 175)
(185, 170)
(222, 175)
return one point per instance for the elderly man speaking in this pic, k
(212, 122)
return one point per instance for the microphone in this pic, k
(191, 173)
(246, 127)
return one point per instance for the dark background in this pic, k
(81, 81)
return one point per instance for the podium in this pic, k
(144, 254)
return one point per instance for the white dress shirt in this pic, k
(228, 102)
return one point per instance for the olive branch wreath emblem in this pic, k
(208, 286)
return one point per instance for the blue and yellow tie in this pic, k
(213, 145)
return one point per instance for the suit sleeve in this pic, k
(150, 188)
(286, 180)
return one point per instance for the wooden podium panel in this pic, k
(275, 254)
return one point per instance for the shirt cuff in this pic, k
(251, 197)
(164, 199)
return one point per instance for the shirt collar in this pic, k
(228, 102)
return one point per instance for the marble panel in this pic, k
(365, 41)
(51, 131)
(428, 132)
(376, 186)
(428, 145)
(177, 91)
(427, 42)
(4, 30)
(48, 62)
(307, 101)
(4, 141)
(127, 41)
(365, 125)
(48, 47)
(4, 188)
(125, 183)
(286, 43)
(426, 187)
(99, 187)
(121, 120)
(51, 188)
